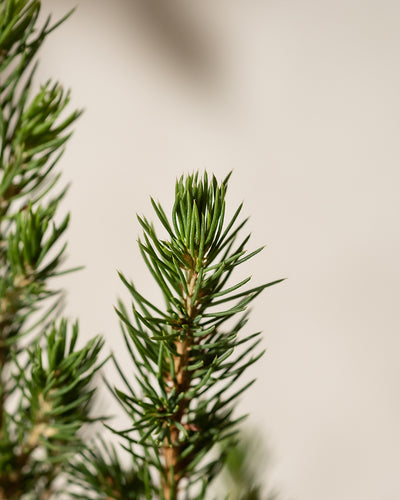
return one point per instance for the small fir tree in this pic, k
(187, 354)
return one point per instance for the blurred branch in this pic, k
(246, 469)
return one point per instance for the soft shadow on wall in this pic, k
(182, 35)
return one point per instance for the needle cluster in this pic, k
(45, 378)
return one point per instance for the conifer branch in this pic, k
(45, 379)
(188, 355)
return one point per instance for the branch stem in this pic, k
(172, 447)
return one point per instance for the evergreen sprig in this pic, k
(32, 134)
(45, 378)
(42, 434)
(188, 356)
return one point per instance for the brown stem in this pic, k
(2, 388)
(8, 309)
(171, 448)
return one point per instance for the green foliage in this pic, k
(58, 389)
(32, 134)
(245, 469)
(101, 476)
(42, 434)
(45, 379)
(189, 355)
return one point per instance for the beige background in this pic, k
(301, 99)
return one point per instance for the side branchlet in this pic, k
(45, 378)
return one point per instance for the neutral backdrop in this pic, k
(301, 100)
